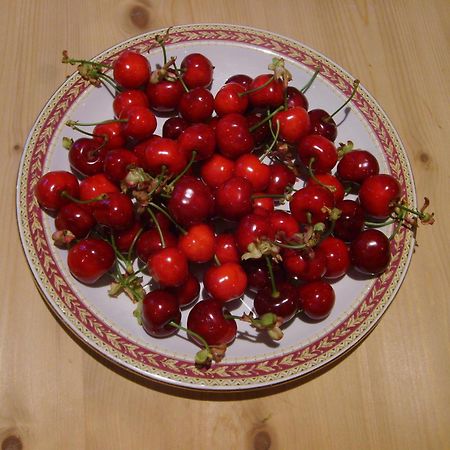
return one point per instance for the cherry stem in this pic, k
(177, 71)
(266, 119)
(133, 243)
(311, 81)
(163, 211)
(313, 176)
(83, 202)
(72, 62)
(217, 260)
(355, 88)
(192, 333)
(106, 78)
(275, 291)
(184, 171)
(379, 224)
(80, 130)
(75, 123)
(274, 141)
(255, 196)
(158, 228)
(256, 89)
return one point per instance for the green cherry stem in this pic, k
(275, 291)
(184, 171)
(316, 180)
(83, 202)
(311, 81)
(274, 141)
(158, 228)
(256, 89)
(266, 119)
(163, 211)
(76, 123)
(355, 88)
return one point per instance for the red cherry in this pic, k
(162, 152)
(249, 166)
(229, 99)
(141, 123)
(350, 222)
(159, 308)
(317, 151)
(233, 198)
(356, 165)
(124, 239)
(191, 202)
(282, 225)
(164, 96)
(75, 218)
(311, 204)
(96, 185)
(322, 124)
(173, 127)
(250, 229)
(296, 98)
(243, 80)
(284, 305)
(198, 244)
(200, 138)
(207, 319)
(233, 136)
(168, 266)
(379, 194)
(127, 99)
(269, 96)
(226, 248)
(149, 242)
(316, 299)
(331, 183)
(225, 282)
(260, 134)
(110, 135)
(293, 124)
(337, 257)
(261, 205)
(118, 162)
(197, 71)
(89, 259)
(187, 293)
(131, 70)
(280, 178)
(216, 170)
(315, 266)
(258, 276)
(196, 105)
(50, 186)
(294, 262)
(115, 211)
(370, 252)
(86, 156)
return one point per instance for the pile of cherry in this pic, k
(213, 199)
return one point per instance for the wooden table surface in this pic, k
(391, 392)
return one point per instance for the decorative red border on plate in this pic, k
(147, 361)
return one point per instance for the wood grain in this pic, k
(392, 392)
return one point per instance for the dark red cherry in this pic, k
(196, 105)
(150, 241)
(282, 225)
(241, 79)
(293, 124)
(191, 202)
(280, 178)
(356, 165)
(159, 308)
(164, 96)
(233, 136)
(118, 162)
(75, 218)
(114, 211)
(207, 319)
(86, 156)
(350, 222)
(322, 124)
(200, 138)
(379, 195)
(110, 134)
(250, 229)
(317, 152)
(187, 293)
(52, 185)
(89, 259)
(197, 71)
(234, 198)
(173, 127)
(370, 252)
(311, 204)
(295, 98)
(226, 248)
(284, 304)
(337, 257)
(316, 299)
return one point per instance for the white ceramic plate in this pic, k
(107, 325)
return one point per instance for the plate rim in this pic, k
(189, 385)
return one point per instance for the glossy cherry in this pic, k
(86, 156)
(293, 124)
(207, 319)
(233, 136)
(240, 78)
(164, 96)
(233, 198)
(317, 152)
(52, 185)
(284, 304)
(379, 195)
(251, 228)
(281, 177)
(200, 138)
(337, 257)
(162, 153)
(295, 98)
(159, 263)
(331, 183)
(226, 248)
(95, 186)
(114, 211)
(266, 92)
(370, 252)
(89, 259)
(191, 202)
(117, 163)
(216, 170)
(356, 165)
(229, 99)
(197, 70)
(196, 105)
(198, 244)
(131, 70)
(159, 308)
(140, 123)
(173, 127)
(225, 282)
(316, 299)
(110, 134)
(127, 99)
(187, 293)
(311, 204)
(282, 225)
(322, 124)
(249, 166)
(350, 222)
(75, 218)
(149, 242)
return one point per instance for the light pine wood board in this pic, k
(391, 392)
